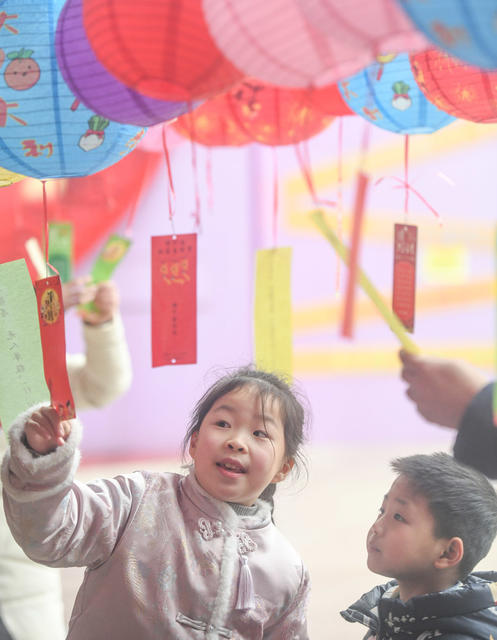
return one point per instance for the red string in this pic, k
(275, 197)
(196, 212)
(340, 202)
(302, 152)
(406, 186)
(171, 195)
(406, 176)
(45, 215)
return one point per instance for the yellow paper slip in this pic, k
(389, 316)
(273, 312)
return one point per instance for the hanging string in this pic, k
(196, 211)
(209, 180)
(303, 156)
(171, 195)
(366, 134)
(403, 185)
(275, 197)
(406, 177)
(45, 216)
(339, 204)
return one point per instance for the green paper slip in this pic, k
(22, 383)
(111, 255)
(60, 248)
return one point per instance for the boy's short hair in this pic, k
(462, 501)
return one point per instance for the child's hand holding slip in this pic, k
(45, 431)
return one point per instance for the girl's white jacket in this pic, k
(164, 558)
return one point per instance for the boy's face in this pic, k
(401, 543)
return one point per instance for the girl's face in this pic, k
(238, 451)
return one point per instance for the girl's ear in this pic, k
(286, 467)
(192, 449)
(451, 554)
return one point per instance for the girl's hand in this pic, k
(45, 431)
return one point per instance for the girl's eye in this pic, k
(259, 433)
(398, 517)
(222, 423)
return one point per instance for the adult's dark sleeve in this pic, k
(476, 442)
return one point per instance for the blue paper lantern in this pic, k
(467, 29)
(44, 131)
(386, 94)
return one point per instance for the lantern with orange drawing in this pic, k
(460, 89)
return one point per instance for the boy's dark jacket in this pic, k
(467, 610)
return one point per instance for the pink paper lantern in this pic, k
(272, 40)
(373, 26)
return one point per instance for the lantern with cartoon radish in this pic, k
(45, 132)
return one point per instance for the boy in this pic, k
(436, 523)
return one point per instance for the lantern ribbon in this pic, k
(45, 215)
(388, 315)
(171, 195)
(305, 166)
(405, 185)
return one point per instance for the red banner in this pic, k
(404, 273)
(53, 343)
(174, 299)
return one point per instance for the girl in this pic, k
(170, 556)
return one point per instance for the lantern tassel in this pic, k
(246, 596)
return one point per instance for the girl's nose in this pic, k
(236, 445)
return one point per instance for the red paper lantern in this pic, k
(457, 88)
(213, 125)
(160, 48)
(275, 116)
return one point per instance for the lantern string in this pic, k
(275, 197)
(406, 177)
(196, 212)
(302, 153)
(403, 185)
(209, 180)
(171, 196)
(340, 203)
(45, 216)
(366, 134)
(128, 232)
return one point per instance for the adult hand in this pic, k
(440, 389)
(105, 304)
(45, 431)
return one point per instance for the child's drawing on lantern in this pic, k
(95, 134)
(401, 99)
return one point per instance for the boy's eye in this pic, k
(261, 434)
(398, 517)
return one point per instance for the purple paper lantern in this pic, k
(98, 89)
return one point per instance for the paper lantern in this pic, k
(98, 89)
(42, 133)
(212, 125)
(386, 94)
(457, 88)
(467, 29)
(161, 48)
(375, 26)
(272, 40)
(276, 116)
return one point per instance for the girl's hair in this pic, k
(271, 387)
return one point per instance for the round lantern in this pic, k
(462, 90)
(273, 41)
(164, 50)
(44, 132)
(375, 26)
(464, 28)
(213, 125)
(276, 116)
(386, 94)
(98, 89)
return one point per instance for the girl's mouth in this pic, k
(231, 466)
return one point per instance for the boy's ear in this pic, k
(193, 445)
(451, 554)
(285, 469)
